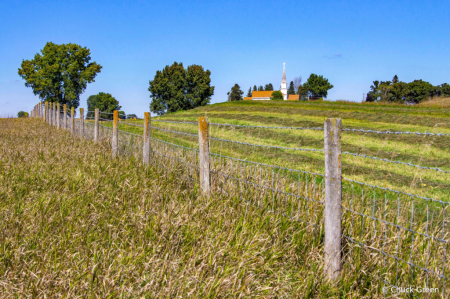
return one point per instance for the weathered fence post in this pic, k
(54, 114)
(203, 142)
(65, 117)
(147, 124)
(46, 112)
(50, 112)
(58, 114)
(115, 138)
(333, 200)
(72, 120)
(96, 116)
(81, 122)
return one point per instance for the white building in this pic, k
(266, 94)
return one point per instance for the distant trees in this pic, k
(260, 88)
(276, 96)
(255, 88)
(268, 87)
(235, 94)
(60, 73)
(291, 89)
(104, 102)
(317, 86)
(176, 88)
(302, 91)
(396, 91)
(22, 114)
(130, 116)
(297, 82)
(249, 93)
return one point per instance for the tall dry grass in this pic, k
(436, 102)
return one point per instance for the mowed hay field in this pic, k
(429, 151)
(75, 223)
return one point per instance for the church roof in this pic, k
(262, 94)
(293, 97)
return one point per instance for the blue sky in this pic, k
(351, 43)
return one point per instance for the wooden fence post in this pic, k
(333, 200)
(96, 116)
(50, 111)
(46, 112)
(203, 142)
(58, 114)
(72, 120)
(65, 117)
(54, 114)
(81, 122)
(115, 138)
(147, 135)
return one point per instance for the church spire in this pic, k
(284, 73)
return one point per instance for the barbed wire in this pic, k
(175, 122)
(130, 124)
(267, 127)
(161, 129)
(396, 162)
(395, 132)
(131, 134)
(189, 148)
(268, 146)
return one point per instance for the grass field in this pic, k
(430, 151)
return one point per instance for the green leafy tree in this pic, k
(444, 90)
(419, 91)
(104, 102)
(249, 93)
(318, 86)
(60, 73)
(22, 114)
(372, 95)
(260, 88)
(398, 92)
(302, 92)
(291, 89)
(129, 116)
(122, 115)
(276, 96)
(235, 94)
(176, 88)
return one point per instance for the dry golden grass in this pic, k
(436, 102)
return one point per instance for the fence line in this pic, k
(404, 235)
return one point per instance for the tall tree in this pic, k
(297, 82)
(302, 92)
(104, 102)
(255, 88)
(175, 88)
(260, 88)
(235, 94)
(249, 93)
(372, 95)
(60, 73)
(291, 89)
(395, 79)
(268, 87)
(318, 86)
(444, 90)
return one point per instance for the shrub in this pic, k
(22, 114)
(276, 96)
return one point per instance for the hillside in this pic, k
(422, 150)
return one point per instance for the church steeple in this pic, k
(283, 83)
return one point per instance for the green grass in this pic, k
(431, 151)
(77, 223)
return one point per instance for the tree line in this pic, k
(396, 91)
(60, 73)
(314, 88)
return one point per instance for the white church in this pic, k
(266, 94)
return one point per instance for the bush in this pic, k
(276, 96)
(22, 114)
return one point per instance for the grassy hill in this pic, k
(430, 151)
